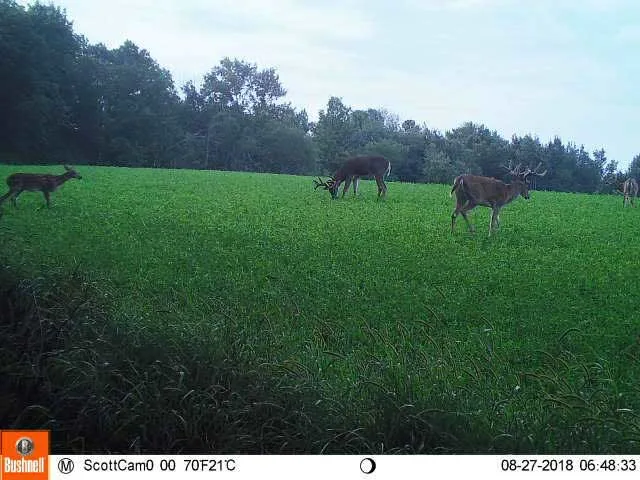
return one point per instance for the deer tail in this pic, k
(388, 172)
(457, 183)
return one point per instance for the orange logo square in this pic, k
(25, 454)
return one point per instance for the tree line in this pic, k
(64, 99)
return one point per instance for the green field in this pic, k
(236, 312)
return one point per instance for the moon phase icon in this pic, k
(367, 465)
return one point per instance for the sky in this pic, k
(546, 67)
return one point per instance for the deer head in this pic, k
(524, 176)
(354, 168)
(326, 185)
(71, 173)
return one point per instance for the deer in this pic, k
(36, 182)
(630, 190)
(352, 170)
(474, 190)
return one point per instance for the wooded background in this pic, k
(63, 99)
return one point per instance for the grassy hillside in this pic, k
(343, 326)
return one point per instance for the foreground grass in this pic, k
(246, 312)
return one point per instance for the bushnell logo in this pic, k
(24, 446)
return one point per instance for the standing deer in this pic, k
(36, 182)
(630, 190)
(474, 190)
(352, 170)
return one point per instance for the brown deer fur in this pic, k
(36, 182)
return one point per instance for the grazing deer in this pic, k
(630, 190)
(474, 190)
(352, 170)
(36, 182)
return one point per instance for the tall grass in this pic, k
(246, 312)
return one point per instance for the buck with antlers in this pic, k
(474, 190)
(36, 182)
(352, 170)
(630, 191)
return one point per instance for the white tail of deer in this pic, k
(630, 191)
(352, 170)
(474, 190)
(36, 182)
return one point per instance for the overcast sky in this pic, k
(552, 67)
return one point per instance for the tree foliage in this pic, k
(64, 99)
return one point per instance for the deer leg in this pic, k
(472, 229)
(454, 215)
(46, 197)
(15, 198)
(347, 184)
(5, 196)
(494, 219)
(462, 209)
(468, 205)
(382, 187)
(356, 184)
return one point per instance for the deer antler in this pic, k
(539, 174)
(534, 172)
(512, 171)
(320, 183)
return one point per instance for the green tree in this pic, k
(590, 171)
(367, 126)
(284, 148)
(136, 106)
(611, 179)
(239, 85)
(242, 125)
(634, 168)
(478, 148)
(559, 166)
(413, 140)
(410, 127)
(38, 55)
(438, 167)
(526, 150)
(332, 134)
